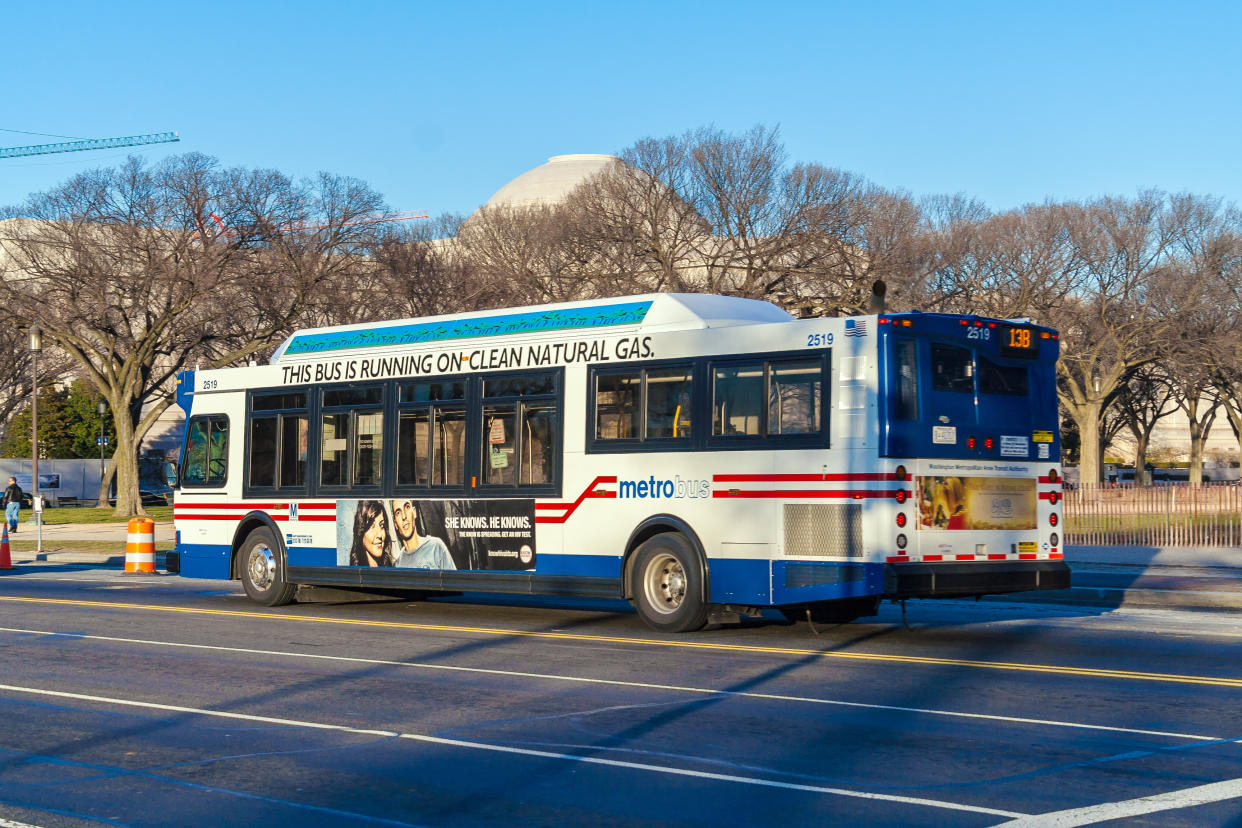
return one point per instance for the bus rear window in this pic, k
(1001, 379)
(952, 369)
(907, 380)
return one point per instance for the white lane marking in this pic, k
(634, 684)
(8, 823)
(568, 757)
(1106, 811)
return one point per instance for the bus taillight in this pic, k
(989, 443)
(1053, 519)
(901, 519)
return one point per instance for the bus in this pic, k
(705, 457)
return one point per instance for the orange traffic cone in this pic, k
(6, 561)
(140, 546)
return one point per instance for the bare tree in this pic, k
(1015, 264)
(135, 270)
(1142, 402)
(1123, 305)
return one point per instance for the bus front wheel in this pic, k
(260, 570)
(666, 582)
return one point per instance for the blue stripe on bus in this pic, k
(795, 582)
(311, 555)
(591, 566)
(733, 580)
(204, 560)
(622, 313)
(738, 581)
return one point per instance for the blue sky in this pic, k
(437, 105)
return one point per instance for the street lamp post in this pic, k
(36, 345)
(102, 408)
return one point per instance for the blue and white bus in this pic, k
(701, 456)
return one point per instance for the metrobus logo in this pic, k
(667, 489)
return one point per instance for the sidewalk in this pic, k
(1207, 578)
(1171, 577)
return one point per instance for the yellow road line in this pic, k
(1086, 672)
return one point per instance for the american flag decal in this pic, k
(855, 327)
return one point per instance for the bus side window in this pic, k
(521, 434)
(669, 408)
(618, 400)
(263, 451)
(794, 395)
(431, 433)
(907, 380)
(334, 451)
(737, 400)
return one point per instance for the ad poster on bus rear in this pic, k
(976, 503)
(436, 534)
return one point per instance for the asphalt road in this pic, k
(153, 700)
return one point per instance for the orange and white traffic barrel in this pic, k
(140, 546)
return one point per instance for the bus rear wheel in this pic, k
(261, 572)
(666, 583)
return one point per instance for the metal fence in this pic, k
(1172, 515)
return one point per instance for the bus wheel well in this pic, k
(248, 524)
(655, 525)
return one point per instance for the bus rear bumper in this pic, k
(955, 580)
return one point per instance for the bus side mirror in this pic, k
(170, 474)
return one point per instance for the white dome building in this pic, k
(550, 183)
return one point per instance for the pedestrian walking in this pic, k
(12, 503)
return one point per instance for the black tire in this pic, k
(262, 572)
(841, 611)
(667, 584)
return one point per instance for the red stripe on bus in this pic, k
(804, 493)
(1055, 554)
(994, 557)
(255, 505)
(205, 517)
(802, 478)
(897, 559)
(304, 518)
(1028, 556)
(933, 557)
(570, 508)
(964, 557)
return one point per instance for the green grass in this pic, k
(92, 547)
(1152, 529)
(94, 514)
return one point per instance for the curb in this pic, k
(1115, 598)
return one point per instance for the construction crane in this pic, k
(90, 144)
